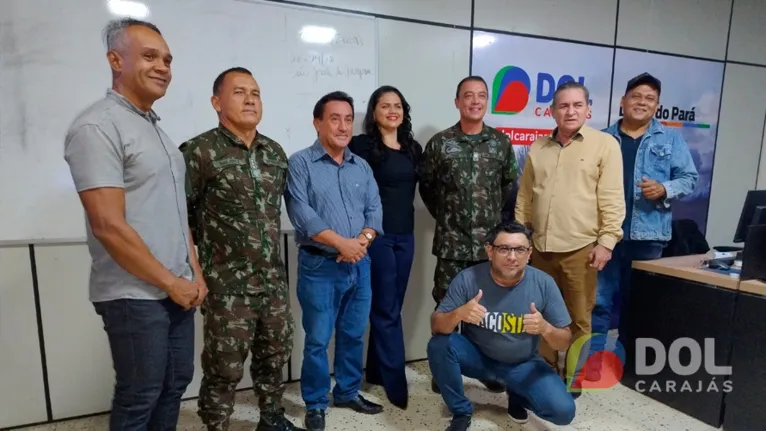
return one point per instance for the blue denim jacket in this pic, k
(663, 156)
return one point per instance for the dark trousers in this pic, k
(334, 296)
(152, 343)
(391, 257)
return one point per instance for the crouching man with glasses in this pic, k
(507, 307)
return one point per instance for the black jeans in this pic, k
(152, 344)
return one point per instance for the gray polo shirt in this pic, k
(114, 144)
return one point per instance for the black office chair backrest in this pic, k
(687, 239)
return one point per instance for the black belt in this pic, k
(310, 249)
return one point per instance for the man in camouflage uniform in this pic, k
(236, 178)
(469, 170)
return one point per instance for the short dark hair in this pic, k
(335, 96)
(511, 226)
(115, 28)
(219, 80)
(571, 85)
(474, 78)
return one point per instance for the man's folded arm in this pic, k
(302, 216)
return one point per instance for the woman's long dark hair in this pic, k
(403, 132)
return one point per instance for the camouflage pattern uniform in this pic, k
(466, 181)
(235, 198)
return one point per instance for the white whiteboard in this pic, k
(53, 65)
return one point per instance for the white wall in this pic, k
(424, 50)
(739, 164)
(687, 27)
(22, 394)
(738, 149)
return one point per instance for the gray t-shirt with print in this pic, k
(501, 335)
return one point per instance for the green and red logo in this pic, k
(611, 359)
(510, 90)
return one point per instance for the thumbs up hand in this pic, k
(533, 322)
(472, 311)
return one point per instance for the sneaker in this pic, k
(516, 411)
(459, 423)
(493, 386)
(276, 421)
(314, 420)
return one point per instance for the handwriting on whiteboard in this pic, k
(314, 59)
(343, 71)
(350, 41)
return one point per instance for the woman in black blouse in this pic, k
(393, 154)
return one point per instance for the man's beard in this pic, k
(507, 273)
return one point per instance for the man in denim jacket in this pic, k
(658, 170)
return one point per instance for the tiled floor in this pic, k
(617, 409)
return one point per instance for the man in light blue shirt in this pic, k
(658, 170)
(333, 202)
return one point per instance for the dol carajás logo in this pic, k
(612, 360)
(510, 90)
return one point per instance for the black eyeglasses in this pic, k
(504, 250)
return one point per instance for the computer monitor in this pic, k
(754, 255)
(753, 213)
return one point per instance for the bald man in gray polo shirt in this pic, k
(145, 280)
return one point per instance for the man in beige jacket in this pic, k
(571, 195)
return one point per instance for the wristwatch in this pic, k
(369, 238)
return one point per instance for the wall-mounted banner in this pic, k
(691, 95)
(522, 74)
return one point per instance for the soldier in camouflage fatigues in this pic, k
(466, 181)
(235, 195)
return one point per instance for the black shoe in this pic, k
(276, 421)
(495, 387)
(361, 405)
(459, 423)
(314, 420)
(434, 386)
(516, 411)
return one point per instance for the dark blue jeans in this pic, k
(613, 289)
(534, 383)
(333, 296)
(152, 343)
(391, 256)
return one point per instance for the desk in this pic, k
(673, 298)
(744, 405)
